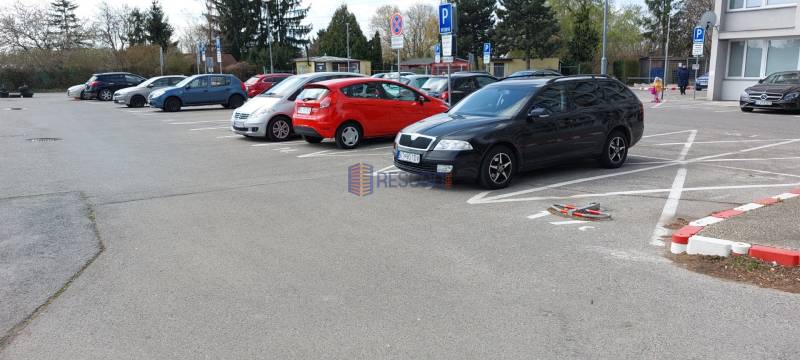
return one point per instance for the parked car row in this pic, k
(493, 130)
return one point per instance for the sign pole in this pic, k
(696, 67)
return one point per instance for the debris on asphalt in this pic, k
(592, 211)
(744, 269)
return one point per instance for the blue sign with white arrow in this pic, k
(487, 48)
(699, 34)
(445, 18)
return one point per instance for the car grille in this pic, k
(769, 96)
(425, 168)
(241, 116)
(421, 142)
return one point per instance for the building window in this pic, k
(499, 70)
(783, 55)
(735, 59)
(754, 54)
(753, 4)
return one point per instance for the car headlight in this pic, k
(744, 95)
(156, 94)
(791, 96)
(453, 145)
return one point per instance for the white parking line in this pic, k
(674, 198)
(197, 122)
(723, 141)
(210, 128)
(568, 222)
(279, 143)
(538, 215)
(228, 136)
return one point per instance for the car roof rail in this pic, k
(582, 76)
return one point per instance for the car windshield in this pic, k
(147, 82)
(782, 78)
(500, 101)
(286, 87)
(435, 84)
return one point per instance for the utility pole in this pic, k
(666, 50)
(603, 60)
(348, 45)
(269, 38)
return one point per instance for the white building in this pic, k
(753, 38)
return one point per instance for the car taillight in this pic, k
(325, 103)
(243, 87)
(94, 83)
(445, 95)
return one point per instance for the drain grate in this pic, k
(44, 139)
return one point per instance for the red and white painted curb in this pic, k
(686, 240)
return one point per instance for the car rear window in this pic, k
(252, 80)
(313, 93)
(435, 84)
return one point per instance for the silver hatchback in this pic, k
(270, 114)
(136, 96)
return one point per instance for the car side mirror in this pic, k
(151, 86)
(421, 99)
(537, 113)
(760, 81)
(188, 87)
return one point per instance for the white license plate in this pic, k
(304, 110)
(238, 124)
(408, 157)
(764, 102)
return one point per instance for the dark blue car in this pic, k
(197, 90)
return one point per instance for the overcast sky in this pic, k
(182, 12)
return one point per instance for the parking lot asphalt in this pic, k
(219, 246)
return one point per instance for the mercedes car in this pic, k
(779, 91)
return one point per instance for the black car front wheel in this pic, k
(172, 105)
(615, 150)
(138, 101)
(105, 95)
(497, 168)
(279, 129)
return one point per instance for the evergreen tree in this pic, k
(159, 31)
(582, 47)
(286, 24)
(238, 22)
(475, 21)
(64, 24)
(137, 35)
(528, 26)
(376, 51)
(655, 25)
(333, 40)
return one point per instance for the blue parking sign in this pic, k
(699, 34)
(487, 48)
(445, 18)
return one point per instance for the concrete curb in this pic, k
(686, 240)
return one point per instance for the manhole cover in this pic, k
(43, 139)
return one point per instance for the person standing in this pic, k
(683, 78)
(656, 88)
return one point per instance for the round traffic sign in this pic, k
(396, 24)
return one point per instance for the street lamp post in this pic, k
(603, 60)
(269, 38)
(666, 50)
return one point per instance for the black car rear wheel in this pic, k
(235, 102)
(105, 95)
(497, 168)
(615, 150)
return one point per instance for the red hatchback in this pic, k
(262, 82)
(353, 109)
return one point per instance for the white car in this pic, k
(270, 114)
(76, 92)
(136, 96)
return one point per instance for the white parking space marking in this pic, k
(722, 142)
(665, 134)
(347, 153)
(757, 171)
(568, 222)
(210, 128)
(198, 122)
(279, 143)
(539, 214)
(674, 198)
(228, 136)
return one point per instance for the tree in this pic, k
(289, 34)
(421, 30)
(159, 31)
(111, 26)
(333, 40)
(527, 26)
(585, 38)
(625, 39)
(380, 22)
(376, 51)
(64, 24)
(24, 27)
(137, 34)
(655, 25)
(475, 23)
(238, 23)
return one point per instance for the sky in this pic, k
(183, 12)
